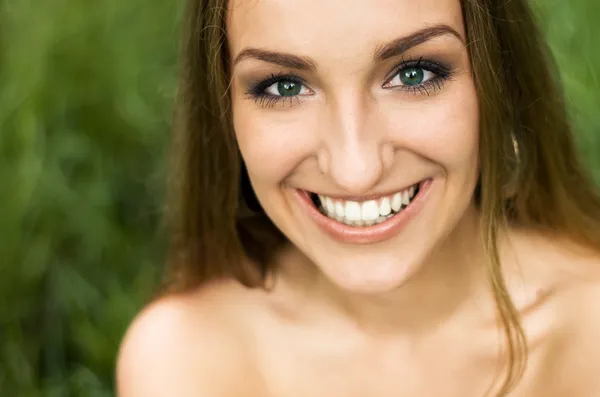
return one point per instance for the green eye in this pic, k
(412, 76)
(288, 88)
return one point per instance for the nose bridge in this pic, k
(354, 144)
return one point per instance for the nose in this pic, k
(355, 149)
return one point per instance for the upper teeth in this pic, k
(367, 212)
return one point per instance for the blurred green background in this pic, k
(86, 91)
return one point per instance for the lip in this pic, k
(362, 199)
(365, 234)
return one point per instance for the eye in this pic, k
(279, 89)
(286, 88)
(411, 77)
(419, 76)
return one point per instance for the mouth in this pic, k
(368, 212)
(365, 220)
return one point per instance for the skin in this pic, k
(351, 137)
(408, 316)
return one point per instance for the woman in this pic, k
(397, 180)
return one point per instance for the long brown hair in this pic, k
(530, 172)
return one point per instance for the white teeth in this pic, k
(369, 211)
(352, 211)
(329, 206)
(339, 209)
(397, 202)
(405, 198)
(385, 208)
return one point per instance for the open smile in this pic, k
(367, 212)
(368, 220)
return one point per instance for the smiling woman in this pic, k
(399, 179)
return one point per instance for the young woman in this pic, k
(372, 198)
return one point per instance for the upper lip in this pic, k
(368, 197)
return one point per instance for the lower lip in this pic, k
(366, 234)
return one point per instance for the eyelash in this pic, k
(442, 73)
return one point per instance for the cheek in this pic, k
(443, 129)
(272, 144)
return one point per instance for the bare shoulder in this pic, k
(583, 306)
(580, 305)
(185, 345)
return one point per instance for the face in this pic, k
(358, 123)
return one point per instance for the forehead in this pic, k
(328, 27)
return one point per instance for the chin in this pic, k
(381, 257)
(384, 262)
(369, 273)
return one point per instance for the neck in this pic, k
(438, 292)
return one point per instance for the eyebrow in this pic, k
(394, 48)
(403, 44)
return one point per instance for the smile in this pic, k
(366, 221)
(368, 212)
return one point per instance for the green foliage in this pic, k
(86, 93)
(85, 104)
(574, 36)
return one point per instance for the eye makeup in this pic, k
(422, 76)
